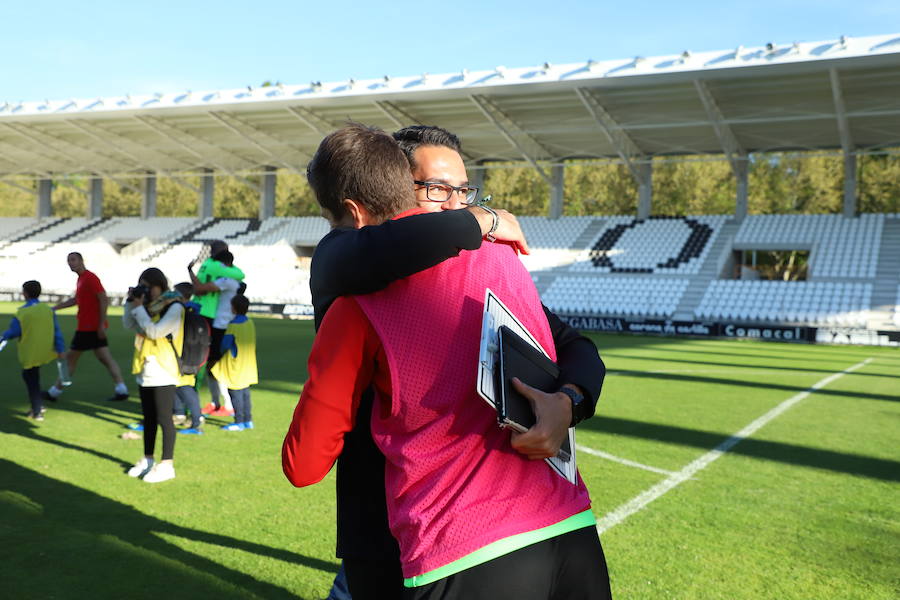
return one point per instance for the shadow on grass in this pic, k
(113, 544)
(853, 464)
(731, 382)
(749, 368)
(27, 429)
(131, 413)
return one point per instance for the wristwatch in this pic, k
(576, 399)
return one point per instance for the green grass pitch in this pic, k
(805, 507)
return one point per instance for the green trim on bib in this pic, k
(503, 547)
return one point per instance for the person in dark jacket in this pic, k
(358, 261)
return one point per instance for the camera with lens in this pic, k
(138, 291)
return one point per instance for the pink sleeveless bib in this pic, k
(453, 482)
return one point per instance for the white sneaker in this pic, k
(141, 467)
(162, 471)
(178, 419)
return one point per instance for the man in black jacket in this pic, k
(358, 261)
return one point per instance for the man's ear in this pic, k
(357, 215)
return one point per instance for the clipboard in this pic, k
(489, 381)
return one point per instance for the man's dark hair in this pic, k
(185, 288)
(363, 164)
(240, 304)
(31, 289)
(217, 246)
(225, 257)
(78, 254)
(410, 138)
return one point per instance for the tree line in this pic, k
(778, 184)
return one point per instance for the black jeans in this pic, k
(157, 404)
(32, 379)
(374, 579)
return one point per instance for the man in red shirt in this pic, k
(90, 333)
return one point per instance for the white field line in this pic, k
(621, 461)
(741, 371)
(643, 499)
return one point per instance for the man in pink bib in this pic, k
(473, 517)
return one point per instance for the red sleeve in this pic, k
(341, 365)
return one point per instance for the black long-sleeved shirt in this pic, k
(359, 261)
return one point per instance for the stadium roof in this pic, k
(822, 95)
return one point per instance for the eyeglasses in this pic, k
(441, 192)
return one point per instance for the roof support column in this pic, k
(637, 163)
(557, 185)
(847, 145)
(207, 188)
(741, 173)
(476, 178)
(733, 150)
(95, 198)
(267, 194)
(148, 202)
(645, 189)
(43, 206)
(528, 147)
(849, 185)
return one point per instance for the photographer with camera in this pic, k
(157, 317)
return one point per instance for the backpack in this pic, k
(196, 339)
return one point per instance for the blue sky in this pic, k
(59, 50)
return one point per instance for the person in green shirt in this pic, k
(211, 270)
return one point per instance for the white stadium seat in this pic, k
(624, 296)
(661, 245)
(839, 247)
(818, 303)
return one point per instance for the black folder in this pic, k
(520, 359)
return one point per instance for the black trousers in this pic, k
(157, 404)
(568, 567)
(32, 379)
(374, 579)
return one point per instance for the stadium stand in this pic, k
(808, 302)
(555, 243)
(544, 233)
(897, 308)
(658, 268)
(841, 247)
(126, 230)
(11, 226)
(676, 245)
(300, 231)
(616, 296)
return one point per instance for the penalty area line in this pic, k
(640, 501)
(621, 461)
